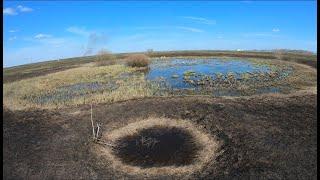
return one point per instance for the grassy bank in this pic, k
(32, 70)
(112, 83)
(77, 86)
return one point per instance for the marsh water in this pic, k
(172, 71)
(179, 76)
(194, 74)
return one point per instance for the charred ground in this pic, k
(269, 136)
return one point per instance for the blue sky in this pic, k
(39, 31)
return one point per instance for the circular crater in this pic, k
(158, 146)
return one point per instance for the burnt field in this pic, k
(268, 136)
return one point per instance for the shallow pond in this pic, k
(216, 76)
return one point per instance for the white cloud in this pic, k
(54, 41)
(79, 31)
(135, 37)
(13, 11)
(190, 29)
(200, 20)
(13, 31)
(275, 30)
(219, 37)
(260, 35)
(12, 38)
(9, 11)
(47, 40)
(42, 36)
(169, 28)
(152, 27)
(24, 9)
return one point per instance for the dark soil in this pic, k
(158, 146)
(264, 137)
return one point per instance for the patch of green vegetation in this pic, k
(245, 76)
(219, 75)
(284, 78)
(189, 73)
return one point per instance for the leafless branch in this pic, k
(93, 132)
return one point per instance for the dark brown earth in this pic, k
(264, 137)
(162, 146)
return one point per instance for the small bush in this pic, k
(105, 63)
(149, 51)
(278, 54)
(138, 60)
(105, 58)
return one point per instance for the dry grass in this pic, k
(43, 68)
(304, 76)
(137, 60)
(20, 94)
(105, 58)
(105, 62)
(205, 155)
(17, 95)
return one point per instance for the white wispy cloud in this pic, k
(151, 27)
(46, 39)
(219, 37)
(53, 41)
(190, 29)
(247, 2)
(12, 38)
(24, 9)
(136, 36)
(275, 30)
(13, 30)
(200, 20)
(170, 28)
(259, 35)
(79, 31)
(9, 11)
(14, 11)
(42, 36)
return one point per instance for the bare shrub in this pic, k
(105, 58)
(278, 54)
(149, 51)
(137, 60)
